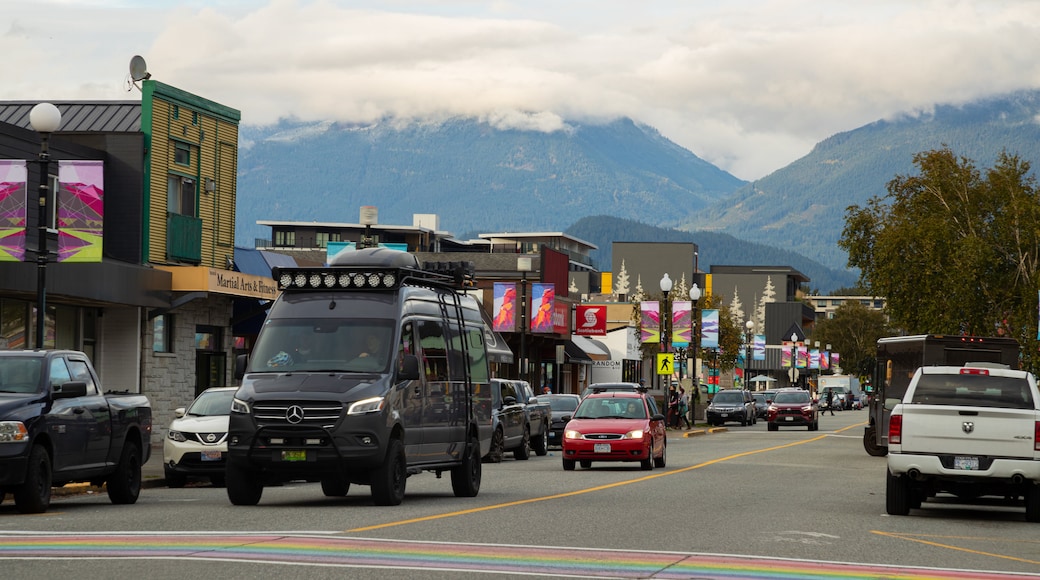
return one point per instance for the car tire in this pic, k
(568, 465)
(897, 494)
(244, 486)
(124, 485)
(773, 427)
(585, 463)
(1033, 502)
(465, 478)
(541, 443)
(661, 461)
(523, 453)
(334, 486)
(34, 495)
(648, 463)
(389, 478)
(494, 455)
(743, 421)
(175, 480)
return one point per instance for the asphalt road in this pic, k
(745, 500)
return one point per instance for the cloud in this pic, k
(749, 85)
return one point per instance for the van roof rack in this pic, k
(374, 269)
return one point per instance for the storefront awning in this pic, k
(574, 354)
(593, 349)
(497, 349)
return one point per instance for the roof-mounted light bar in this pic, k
(374, 269)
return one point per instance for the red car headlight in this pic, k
(634, 434)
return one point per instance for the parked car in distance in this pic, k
(561, 405)
(196, 443)
(793, 407)
(604, 387)
(761, 404)
(510, 428)
(731, 405)
(615, 426)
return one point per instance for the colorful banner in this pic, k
(835, 360)
(504, 308)
(682, 323)
(709, 329)
(802, 357)
(543, 304)
(13, 177)
(590, 320)
(814, 359)
(759, 347)
(786, 358)
(649, 322)
(81, 210)
(825, 360)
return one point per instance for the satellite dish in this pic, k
(139, 69)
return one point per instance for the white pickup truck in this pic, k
(970, 431)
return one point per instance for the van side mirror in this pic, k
(408, 370)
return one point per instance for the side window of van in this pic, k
(478, 364)
(434, 351)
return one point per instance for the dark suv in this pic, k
(732, 405)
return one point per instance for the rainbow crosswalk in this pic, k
(332, 550)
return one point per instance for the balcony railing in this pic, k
(183, 238)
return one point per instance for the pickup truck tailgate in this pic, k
(995, 432)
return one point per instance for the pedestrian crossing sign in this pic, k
(665, 363)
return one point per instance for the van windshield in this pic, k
(323, 345)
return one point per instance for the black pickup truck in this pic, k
(57, 427)
(520, 423)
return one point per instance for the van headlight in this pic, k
(239, 406)
(364, 406)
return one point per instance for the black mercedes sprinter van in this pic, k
(366, 371)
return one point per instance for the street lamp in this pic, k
(524, 266)
(666, 324)
(793, 373)
(695, 296)
(45, 119)
(750, 326)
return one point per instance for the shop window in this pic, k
(207, 338)
(162, 333)
(180, 195)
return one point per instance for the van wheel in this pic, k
(870, 443)
(334, 486)
(389, 478)
(34, 495)
(465, 479)
(1033, 503)
(897, 494)
(541, 443)
(494, 454)
(124, 486)
(244, 486)
(524, 451)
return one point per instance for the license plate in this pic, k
(294, 455)
(211, 455)
(601, 448)
(788, 418)
(966, 463)
(725, 414)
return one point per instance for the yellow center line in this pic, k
(956, 548)
(590, 489)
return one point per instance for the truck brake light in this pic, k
(1036, 436)
(974, 371)
(895, 429)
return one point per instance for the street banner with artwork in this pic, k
(504, 307)
(709, 328)
(543, 304)
(835, 360)
(13, 177)
(81, 210)
(649, 321)
(814, 359)
(682, 323)
(802, 357)
(787, 355)
(759, 347)
(825, 360)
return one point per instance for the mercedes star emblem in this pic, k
(294, 414)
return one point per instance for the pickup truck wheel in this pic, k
(541, 443)
(244, 486)
(388, 479)
(498, 444)
(1033, 503)
(34, 495)
(125, 484)
(334, 486)
(465, 479)
(897, 494)
(870, 443)
(524, 451)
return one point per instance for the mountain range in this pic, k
(617, 181)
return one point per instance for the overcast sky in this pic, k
(748, 85)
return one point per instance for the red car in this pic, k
(615, 426)
(793, 407)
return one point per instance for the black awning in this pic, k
(575, 354)
(497, 349)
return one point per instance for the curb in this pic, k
(81, 488)
(709, 431)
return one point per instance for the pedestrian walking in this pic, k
(684, 407)
(829, 398)
(673, 407)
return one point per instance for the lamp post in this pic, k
(750, 326)
(666, 326)
(695, 296)
(793, 373)
(819, 369)
(45, 119)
